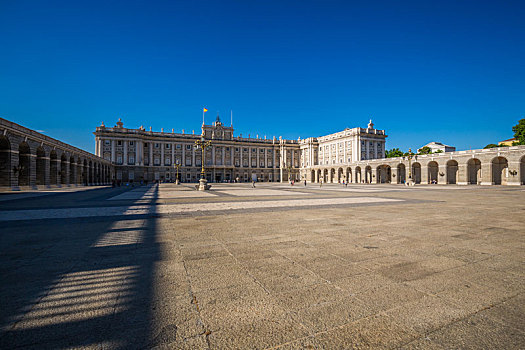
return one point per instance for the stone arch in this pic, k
(53, 168)
(433, 172)
(319, 175)
(401, 173)
(473, 171)
(384, 174)
(312, 176)
(63, 169)
(500, 169)
(348, 175)
(40, 166)
(368, 174)
(452, 172)
(5, 162)
(332, 175)
(24, 164)
(357, 177)
(325, 176)
(416, 172)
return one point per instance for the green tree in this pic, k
(439, 151)
(425, 150)
(394, 152)
(491, 145)
(519, 132)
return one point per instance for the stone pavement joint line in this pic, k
(38, 214)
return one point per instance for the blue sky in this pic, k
(449, 71)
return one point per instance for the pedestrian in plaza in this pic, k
(253, 184)
(321, 183)
(305, 183)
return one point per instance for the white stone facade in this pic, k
(141, 155)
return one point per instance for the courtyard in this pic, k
(270, 267)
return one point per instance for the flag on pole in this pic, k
(204, 110)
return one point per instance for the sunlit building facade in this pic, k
(142, 155)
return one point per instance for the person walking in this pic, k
(253, 184)
(321, 183)
(304, 182)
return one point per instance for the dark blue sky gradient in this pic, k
(449, 71)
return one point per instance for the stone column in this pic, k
(258, 158)
(514, 168)
(249, 157)
(113, 151)
(150, 153)
(442, 169)
(125, 155)
(162, 154)
(394, 175)
(424, 173)
(374, 176)
(240, 164)
(462, 176)
(65, 169)
(486, 174)
(32, 171)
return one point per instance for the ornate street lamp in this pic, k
(177, 166)
(410, 155)
(203, 144)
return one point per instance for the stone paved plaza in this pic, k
(271, 267)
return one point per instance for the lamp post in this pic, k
(177, 166)
(289, 168)
(410, 155)
(203, 144)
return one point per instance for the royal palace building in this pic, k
(141, 155)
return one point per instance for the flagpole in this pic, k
(231, 116)
(202, 115)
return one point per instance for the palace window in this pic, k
(156, 161)
(236, 149)
(188, 161)
(119, 143)
(157, 145)
(131, 143)
(188, 147)
(168, 146)
(131, 160)
(178, 146)
(107, 142)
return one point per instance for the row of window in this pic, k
(188, 147)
